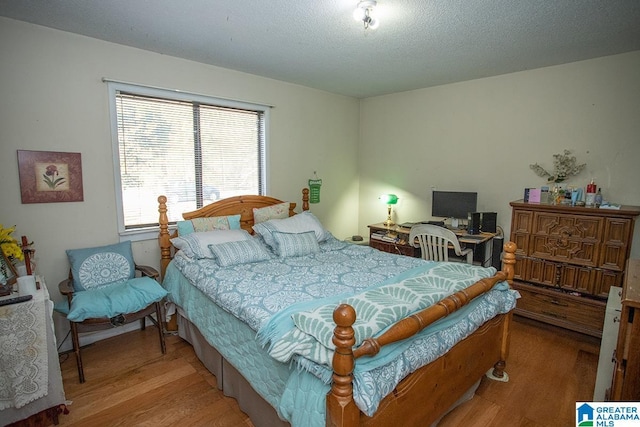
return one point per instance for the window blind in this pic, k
(194, 151)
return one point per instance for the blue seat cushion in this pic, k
(109, 301)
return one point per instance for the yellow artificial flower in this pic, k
(10, 246)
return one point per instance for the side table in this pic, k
(28, 353)
(363, 242)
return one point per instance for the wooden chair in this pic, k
(100, 323)
(435, 241)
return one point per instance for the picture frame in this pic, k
(50, 176)
(8, 275)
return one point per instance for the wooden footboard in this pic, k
(425, 395)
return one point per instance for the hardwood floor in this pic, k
(129, 382)
(549, 369)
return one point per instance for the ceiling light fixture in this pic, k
(364, 13)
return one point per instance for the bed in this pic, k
(292, 360)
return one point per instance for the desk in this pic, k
(394, 239)
(30, 379)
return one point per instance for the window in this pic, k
(190, 148)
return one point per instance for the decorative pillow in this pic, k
(278, 211)
(300, 223)
(185, 227)
(240, 252)
(230, 222)
(196, 245)
(295, 244)
(100, 266)
(120, 298)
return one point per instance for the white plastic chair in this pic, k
(435, 241)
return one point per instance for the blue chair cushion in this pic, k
(109, 301)
(93, 268)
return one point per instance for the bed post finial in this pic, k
(163, 237)
(305, 199)
(509, 260)
(341, 409)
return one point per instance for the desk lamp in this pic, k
(389, 200)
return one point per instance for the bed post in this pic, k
(508, 262)
(305, 199)
(341, 409)
(163, 237)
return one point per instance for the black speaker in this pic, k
(496, 252)
(482, 222)
(475, 221)
(488, 222)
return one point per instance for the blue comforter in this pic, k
(266, 294)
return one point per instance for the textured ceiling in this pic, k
(420, 43)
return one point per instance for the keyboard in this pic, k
(14, 300)
(471, 237)
(407, 224)
(411, 224)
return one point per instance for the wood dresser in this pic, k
(568, 258)
(626, 374)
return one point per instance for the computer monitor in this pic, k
(453, 204)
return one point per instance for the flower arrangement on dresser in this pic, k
(564, 166)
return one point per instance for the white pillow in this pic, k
(196, 245)
(300, 223)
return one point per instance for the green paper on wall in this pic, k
(314, 190)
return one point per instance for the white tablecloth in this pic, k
(24, 369)
(53, 396)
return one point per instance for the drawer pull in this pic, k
(556, 302)
(556, 315)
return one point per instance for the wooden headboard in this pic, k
(242, 205)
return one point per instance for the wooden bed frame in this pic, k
(427, 394)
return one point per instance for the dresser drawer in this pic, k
(576, 313)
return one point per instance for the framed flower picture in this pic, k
(49, 176)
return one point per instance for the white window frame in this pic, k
(113, 86)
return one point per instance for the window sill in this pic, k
(149, 233)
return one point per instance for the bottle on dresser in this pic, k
(598, 199)
(591, 194)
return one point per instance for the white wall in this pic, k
(54, 100)
(482, 135)
(479, 136)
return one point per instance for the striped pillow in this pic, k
(240, 252)
(295, 244)
(196, 245)
(300, 223)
